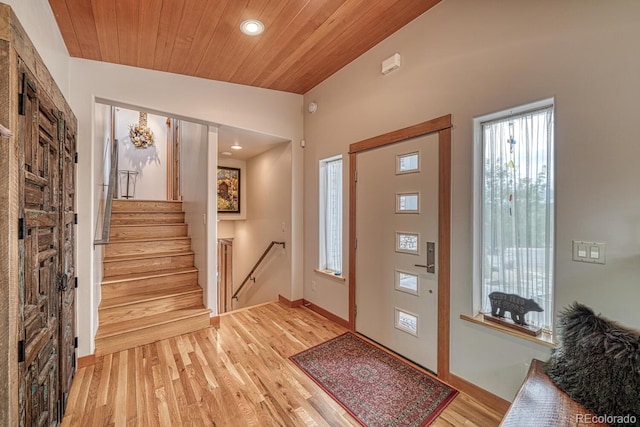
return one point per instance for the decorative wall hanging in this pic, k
(512, 166)
(141, 136)
(228, 189)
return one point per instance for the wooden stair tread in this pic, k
(145, 200)
(138, 276)
(149, 255)
(109, 330)
(168, 224)
(149, 240)
(148, 212)
(135, 297)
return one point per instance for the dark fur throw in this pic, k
(597, 362)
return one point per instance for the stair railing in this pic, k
(250, 275)
(112, 185)
(111, 189)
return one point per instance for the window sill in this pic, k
(544, 338)
(330, 274)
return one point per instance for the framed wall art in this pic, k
(228, 185)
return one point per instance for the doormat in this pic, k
(375, 387)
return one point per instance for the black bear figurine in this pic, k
(514, 304)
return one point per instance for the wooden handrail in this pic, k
(250, 275)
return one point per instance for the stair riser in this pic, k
(147, 232)
(114, 290)
(147, 218)
(148, 335)
(149, 308)
(147, 265)
(145, 205)
(139, 248)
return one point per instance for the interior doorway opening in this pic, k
(253, 202)
(198, 164)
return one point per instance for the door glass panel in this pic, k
(407, 282)
(407, 322)
(408, 163)
(407, 242)
(407, 203)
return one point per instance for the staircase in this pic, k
(150, 286)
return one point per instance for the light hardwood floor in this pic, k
(235, 375)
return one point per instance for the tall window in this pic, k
(331, 215)
(514, 207)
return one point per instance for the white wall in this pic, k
(38, 21)
(268, 219)
(226, 229)
(101, 169)
(471, 58)
(150, 162)
(260, 110)
(194, 187)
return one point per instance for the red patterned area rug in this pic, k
(377, 388)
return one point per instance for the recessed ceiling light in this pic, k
(252, 27)
(236, 146)
(225, 153)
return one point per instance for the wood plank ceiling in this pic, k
(304, 42)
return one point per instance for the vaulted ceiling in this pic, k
(304, 42)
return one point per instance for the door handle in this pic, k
(428, 267)
(431, 258)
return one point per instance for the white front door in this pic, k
(397, 231)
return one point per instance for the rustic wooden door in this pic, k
(66, 281)
(46, 322)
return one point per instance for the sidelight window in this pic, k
(514, 207)
(330, 215)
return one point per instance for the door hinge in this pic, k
(73, 362)
(75, 218)
(22, 104)
(76, 282)
(355, 310)
(22, 355)
(22, 97)
(75, 342)
(22, 228)
(75, 158)
(355, 176)
(355, 244)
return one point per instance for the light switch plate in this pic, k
(590, 252)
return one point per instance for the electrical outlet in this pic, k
(313, 285)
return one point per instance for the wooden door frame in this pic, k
(441, 126)
(173, 159)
